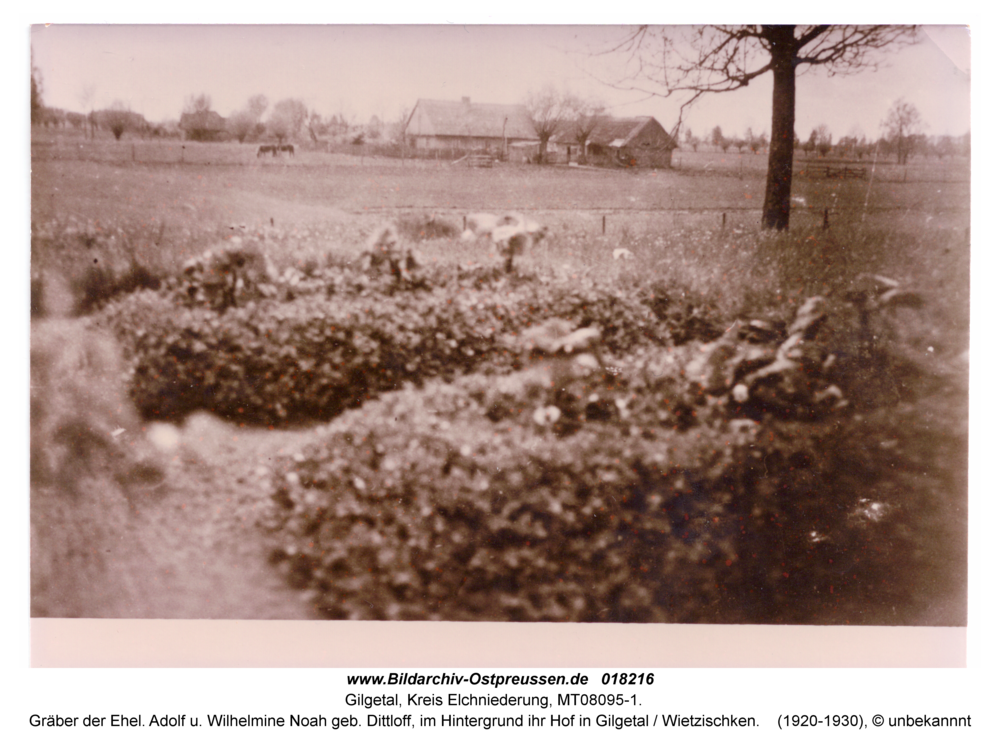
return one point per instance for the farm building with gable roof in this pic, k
(627, 141)
(202, 125)
(467, 126)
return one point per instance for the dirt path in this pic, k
(133, 519)
(203, 555)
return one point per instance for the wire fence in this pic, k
(810, 177)
(917, 170)
(179, 152)
(615, 222)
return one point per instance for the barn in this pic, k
(203, 125)
(463, 126)
(636, 141)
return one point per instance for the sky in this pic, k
(365, 70)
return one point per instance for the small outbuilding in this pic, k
(636, 141)
(203, 126)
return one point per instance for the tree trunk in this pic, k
(543, 147)
(778, 191)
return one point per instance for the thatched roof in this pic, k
(467, 119)
(204, 121)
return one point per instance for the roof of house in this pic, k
(205, 120)
(612, 131)
(467, 119)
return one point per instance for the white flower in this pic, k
(546, 416)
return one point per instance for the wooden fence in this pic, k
(843, 172)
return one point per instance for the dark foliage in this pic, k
(677, 471)
(561, 494)
(333, 341)
(426, 227)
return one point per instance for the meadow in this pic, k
(407, 425)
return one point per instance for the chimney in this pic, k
(465, 100)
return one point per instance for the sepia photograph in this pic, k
(522, 324)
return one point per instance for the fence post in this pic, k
(723, 220)
(826, 218)
(182, 153)
(604, 224)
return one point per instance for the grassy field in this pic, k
(693, 230)
(916, 230)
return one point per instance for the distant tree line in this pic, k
(754, 142)
(550, 111)
(901, 137)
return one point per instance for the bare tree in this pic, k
(287, 119)
(256, 106)
(397, 127)
(965, 144)
(944, 146)
(693, 61)
(756, 142)
(117, 118)
(692, 140)
(373, 130)
(547, 109)
(583, 116)
(198, 104)
(315, 125)
(901, 126)
(241, 124)
(720, 140)
(821, 140)
(338, 125)
(854, 144)
(37, 105)
(246, 121)
(86, 97)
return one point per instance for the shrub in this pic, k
(312, 356)
(228, 275)
(78, 267)
(659, 493)
(426, 227)
(418, 507)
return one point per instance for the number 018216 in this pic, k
(627, 678)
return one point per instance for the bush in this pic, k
(418, 507)
(660, 493)
(426, 227)
(78, 267)
(316, 354)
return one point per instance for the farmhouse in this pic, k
(202, 125)
(628, 141)
(466, 126)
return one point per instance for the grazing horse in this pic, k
(290, 149)
(265, 149)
